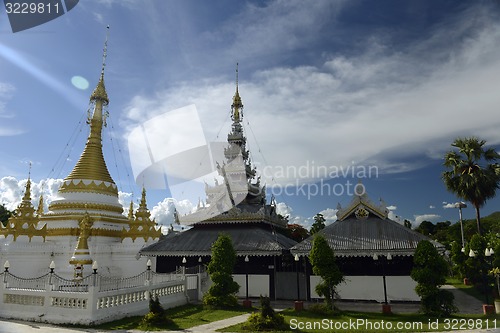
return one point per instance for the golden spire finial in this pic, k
(39, 210)
(99, 93)
(142, 212)
(237, 106)
(27, 192)
(91, 165)
(131, 210)
(105, 51)
(143, 205)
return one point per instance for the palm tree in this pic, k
(473, 177)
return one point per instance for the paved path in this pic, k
(465, 303)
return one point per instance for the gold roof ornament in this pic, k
(39, 210)
(81, 255)
(361, 206)
(131, 211)
(25, 220)
(141, 226)
(237, 106)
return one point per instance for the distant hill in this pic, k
(495, 216)
(490, 223)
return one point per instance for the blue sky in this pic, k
(325, 84)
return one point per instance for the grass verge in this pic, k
(351, 322)
(183, 317)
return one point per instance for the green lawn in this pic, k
(347, 322)
(184, 317)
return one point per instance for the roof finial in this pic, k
(27, 192)
(99, 92)
(105, 51)
(237, 106)
(236, 76)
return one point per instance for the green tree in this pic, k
(319, 223)
(458, 259)
(430, 271)
(4, 214)
(323, 264)
(475, 267)
(222, 292)
(474, 175)
(426, 228)
(297, 232)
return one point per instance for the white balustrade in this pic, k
(91, 299)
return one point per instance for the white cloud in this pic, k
(330, 215)
(283, 209)
(425, 217)
(12, 191)
(432, 207)
(392, 214)
(307, 105)
(163, 212)
(448, 205)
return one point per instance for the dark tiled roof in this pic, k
(197, 241)
(353, 237)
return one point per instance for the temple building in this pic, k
(85, 223)
(374, 253)
(236, 206)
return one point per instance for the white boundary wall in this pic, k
(399, 288)
(257, 285)
(91, 300)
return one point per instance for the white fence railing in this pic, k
(88, 300)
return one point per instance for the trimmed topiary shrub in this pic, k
(156, 317)
(265, 320)
(323, 264)
(222, 292)
(430, 271)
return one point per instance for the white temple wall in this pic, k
(258, 284)
(89, 306)
(33, 258)
(399, 288)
